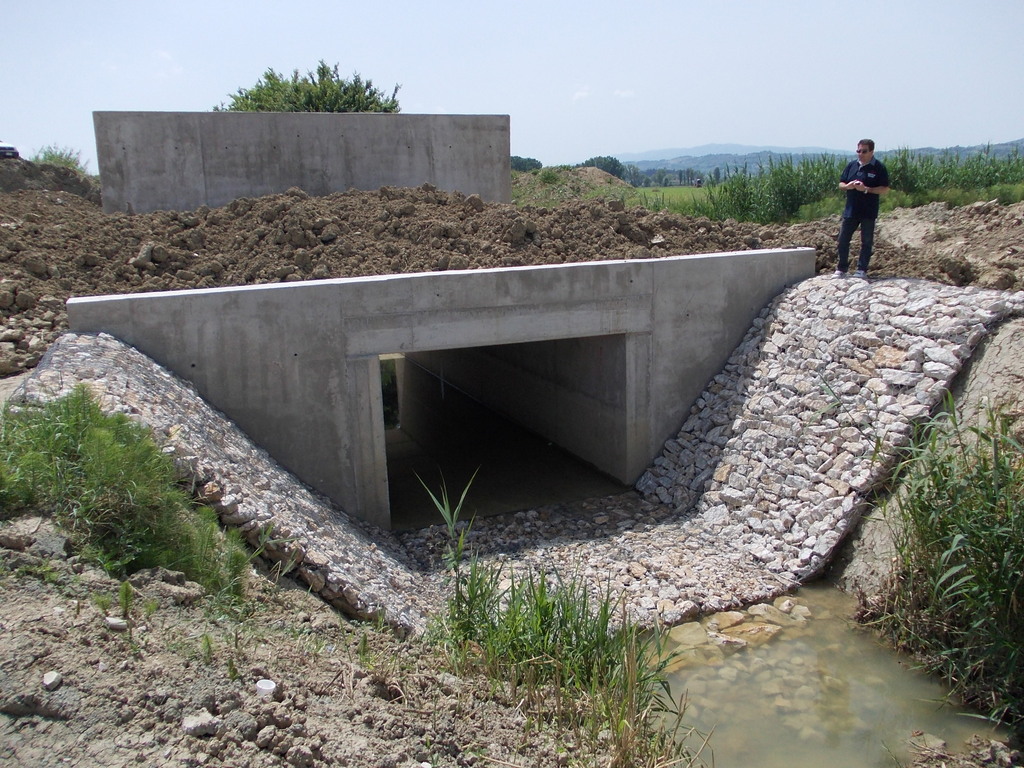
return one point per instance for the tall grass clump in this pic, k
(783, 190)
(957, 598)
(929, 174)
(112, 491)
(65, 157)
(775, 193)
(564, 655)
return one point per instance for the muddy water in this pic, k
(817, 690)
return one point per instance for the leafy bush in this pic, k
(113, 491)
(548, 176)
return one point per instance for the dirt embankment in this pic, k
(56, 244)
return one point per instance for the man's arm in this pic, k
(858, 186)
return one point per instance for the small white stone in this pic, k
(201, 724)
(52, 680)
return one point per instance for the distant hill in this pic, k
(706, 158)
(660, 155)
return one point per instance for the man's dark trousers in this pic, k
(867, 240)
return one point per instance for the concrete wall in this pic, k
(296, 365)
(537, 384)
(181, 160)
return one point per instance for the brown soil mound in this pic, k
(24, 174)
(57, 244)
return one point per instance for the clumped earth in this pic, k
(57, 244)
(176, 685)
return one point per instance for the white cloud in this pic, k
(624, 94)
(581, 93)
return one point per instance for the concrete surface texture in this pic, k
(613, 353)
(182, 160)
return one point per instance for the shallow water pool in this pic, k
(821, 691)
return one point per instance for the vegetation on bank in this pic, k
(568, 658)
(114, 493)
(957, 598)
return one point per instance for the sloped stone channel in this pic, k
(752, 497)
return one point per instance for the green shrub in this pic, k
(548, 176)
(113, 491)
(65, 157)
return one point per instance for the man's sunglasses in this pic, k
(863, 151)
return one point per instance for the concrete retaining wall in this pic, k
(181, 160)
(296, 365)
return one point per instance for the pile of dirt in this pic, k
(553, 186)
(178, 688)
(24, 174)
(54, 245)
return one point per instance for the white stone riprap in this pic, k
(361, 570)
(812, 408)
(770, 470)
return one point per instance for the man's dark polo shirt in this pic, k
(858, 204)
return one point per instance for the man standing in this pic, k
(864, 180)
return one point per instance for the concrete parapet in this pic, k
(182, 160)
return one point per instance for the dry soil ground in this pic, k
(179, 687)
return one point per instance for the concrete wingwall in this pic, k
(604, 358)
(182, 160)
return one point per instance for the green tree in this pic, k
(320, 91)
(636, 177)
(610, 165)
(525, 164)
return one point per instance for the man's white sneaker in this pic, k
(861, 274)
(839, 273)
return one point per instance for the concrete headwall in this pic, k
(613, 353)
(181, 160)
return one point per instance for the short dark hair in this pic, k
(869, 143)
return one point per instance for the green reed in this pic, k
(957, 599)
(785, 189)
(568, 657)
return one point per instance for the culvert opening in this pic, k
(435, 429)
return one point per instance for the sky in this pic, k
(577, 79)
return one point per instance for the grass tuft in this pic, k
(113, 492)
(567, 657)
